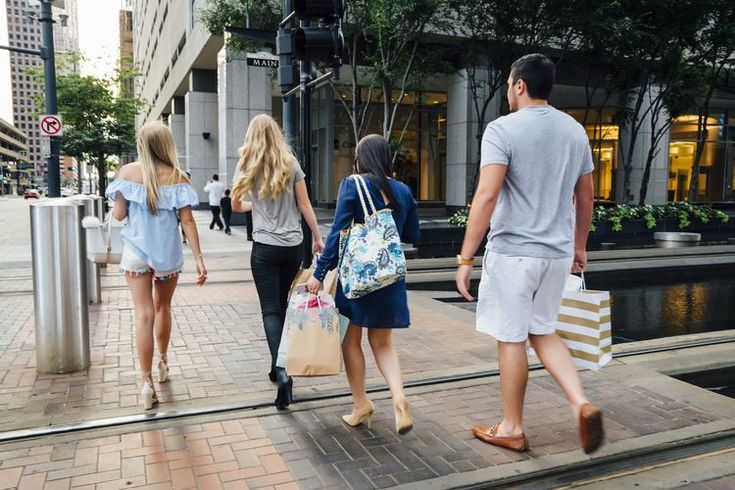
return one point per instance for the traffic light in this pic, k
(325, 42)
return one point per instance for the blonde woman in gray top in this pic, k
(270, 182)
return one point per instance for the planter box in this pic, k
(445, 240)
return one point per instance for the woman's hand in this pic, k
(314, 285)
(318, 246)
(201, 271)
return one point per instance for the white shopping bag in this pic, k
(104, 240)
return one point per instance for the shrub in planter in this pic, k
(638, 218)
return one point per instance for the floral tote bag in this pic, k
(371, 256)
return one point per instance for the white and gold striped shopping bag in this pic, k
(584, 325)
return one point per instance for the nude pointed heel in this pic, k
(148, 395)
(404, 420)
(359, 414)
(163, 370)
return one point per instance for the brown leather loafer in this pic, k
(487, 434)
(591, 432)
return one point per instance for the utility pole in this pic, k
(286, 70)
(49, 74)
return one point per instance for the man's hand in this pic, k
(462, 278)
(580, 261)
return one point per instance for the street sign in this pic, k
(50, 124)
(263, 62)
(45, 147)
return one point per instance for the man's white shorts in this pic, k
(520, 295)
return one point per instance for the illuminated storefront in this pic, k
(716, 162)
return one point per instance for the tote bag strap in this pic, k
(361, 182)
(360, 195)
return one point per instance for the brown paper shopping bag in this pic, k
(310, 345)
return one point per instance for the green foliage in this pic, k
(683, 212)
(616, 216)
(97, 122)
(217, 15)
(460, 217)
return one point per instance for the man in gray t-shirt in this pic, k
(536, 184)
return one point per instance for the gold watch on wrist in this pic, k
(462, 261)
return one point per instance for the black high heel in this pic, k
(285, 386)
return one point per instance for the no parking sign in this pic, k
(50, 125)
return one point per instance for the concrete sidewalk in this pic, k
(219, 357)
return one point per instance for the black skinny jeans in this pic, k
(274, 269)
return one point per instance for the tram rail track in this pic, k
(17, 435)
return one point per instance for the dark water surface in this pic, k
(721, 381)
(641, 312)
(648, 308)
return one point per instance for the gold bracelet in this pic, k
(462, 261)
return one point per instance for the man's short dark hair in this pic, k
(215, 177)
(227, 192)
(537, 71)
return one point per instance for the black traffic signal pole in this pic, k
(305, 122)
(49, 76)
(286, 64)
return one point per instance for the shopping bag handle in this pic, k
(584, 284)
(308, 299)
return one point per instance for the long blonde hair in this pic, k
(156, 147)
(265, 157)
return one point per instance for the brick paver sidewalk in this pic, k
(309, 446)
(219, 357)
(218, 353)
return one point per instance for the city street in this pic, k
(469, 155)
(15, 238)
(215, 426)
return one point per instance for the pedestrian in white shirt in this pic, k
(216, 190)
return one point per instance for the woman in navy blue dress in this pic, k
(382, 310)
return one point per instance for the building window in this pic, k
(604, 134)
(420, 127)
(716, 160)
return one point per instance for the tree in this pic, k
(670, 97)
(383, 40)
(716, 47)
(218, 15)
(496, 33)
(98, 123)
(649, 35)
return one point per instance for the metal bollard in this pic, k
(59, 286)
(94, 284)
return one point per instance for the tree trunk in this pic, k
(634, 129)
(102, 175)
(387, 107)
(693, 194)
(646, 176)
(80, 177)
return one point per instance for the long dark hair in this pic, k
(372, 158)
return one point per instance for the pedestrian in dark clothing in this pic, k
(226, 205)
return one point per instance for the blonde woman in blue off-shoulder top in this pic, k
(149, 193)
